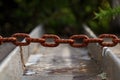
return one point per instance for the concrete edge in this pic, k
(12, 67)
(36, 33)
(109, 62)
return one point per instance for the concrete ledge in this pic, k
(109, 62)
(12, 67)
(94, 49)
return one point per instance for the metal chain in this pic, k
(57, 40)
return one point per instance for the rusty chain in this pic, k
(57, 40)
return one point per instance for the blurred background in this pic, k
(62, 17)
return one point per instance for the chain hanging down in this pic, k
(57, 40)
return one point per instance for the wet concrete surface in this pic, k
(63, 60)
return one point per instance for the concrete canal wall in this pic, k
(12, 68)
(105, 57)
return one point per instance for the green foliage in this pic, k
(101, 20)
(59, 20)
(58, 16)
(107, 14)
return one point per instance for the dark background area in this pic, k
(62, 17)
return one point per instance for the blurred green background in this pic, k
(62, 17)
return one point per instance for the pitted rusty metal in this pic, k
(111, 36)
(83, 44)
(57, 40)
(22, 35)
(47, 36)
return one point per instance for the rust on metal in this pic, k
(83, 44)
(57, 40)
(112, 36)
(21, 35)
(22, 59)
(47, 36)
(70, 41)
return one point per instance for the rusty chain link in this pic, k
(57, 40)
(20, 35)
(83, 37)
(46, 36)
(113, 37)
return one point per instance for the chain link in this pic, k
(57, 40)
(21, 35)
(110, 44)
(70, 41)
(47, 36)
(83, 44)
